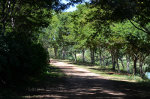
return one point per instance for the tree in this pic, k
(135, 42)
(22, 57)
(136, 11)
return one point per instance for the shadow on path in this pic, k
(82, 84)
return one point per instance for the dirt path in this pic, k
(82, 84)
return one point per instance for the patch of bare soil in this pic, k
(83, 84)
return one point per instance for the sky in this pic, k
(71, 8)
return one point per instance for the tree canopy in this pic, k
(111, 33)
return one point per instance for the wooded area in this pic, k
(109, 33)
(91, 34)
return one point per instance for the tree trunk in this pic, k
(83, 57)
(92, 56)
(113, 61)
(75, 56)
(121, 63)
(63, 53)
(141, 68)
(100, 58)
(134, 66)
(55, 51)
(107, 62)
(117, 64)
(128, 63)
(141, 61)
(104, 61)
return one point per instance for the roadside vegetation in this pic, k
(88, 35)
(114, 35)
(130, 80)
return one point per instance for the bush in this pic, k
(21, 60)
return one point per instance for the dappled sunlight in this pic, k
(81, 83)
(70, 49)
(71, 70)
(43, 96)
(74, 92)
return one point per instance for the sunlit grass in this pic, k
(109, 74)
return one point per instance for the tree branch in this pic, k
(144, 29)
(137, 27)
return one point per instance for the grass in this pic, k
(55, 72)
(135, 82)
(107, 72)
(110, 74)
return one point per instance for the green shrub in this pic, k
(21, 60)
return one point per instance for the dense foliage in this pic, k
(111, 33)
(91, 34)
(23, 59)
